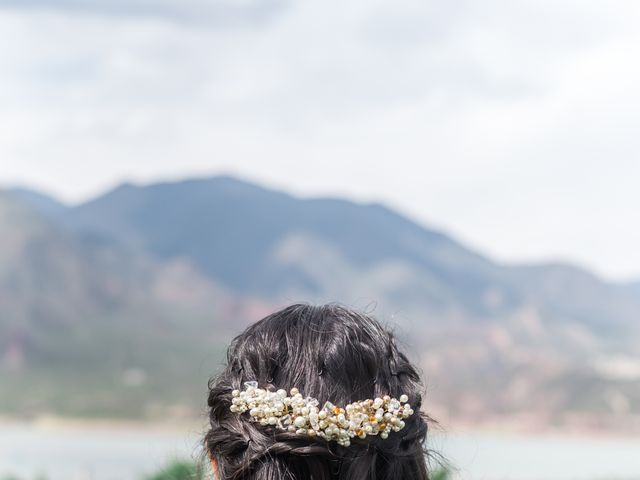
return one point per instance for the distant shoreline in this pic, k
(564, 425)
(51, 422)
(515, 425)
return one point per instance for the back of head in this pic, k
(331, 353)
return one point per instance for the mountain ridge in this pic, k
(77, 317)
(215, 253)
(262, 242)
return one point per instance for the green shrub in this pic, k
(178, 470)
(440, 474)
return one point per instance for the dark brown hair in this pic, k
(332, 353)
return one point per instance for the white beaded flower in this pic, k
(302, 415)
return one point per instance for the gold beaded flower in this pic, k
(300, 415)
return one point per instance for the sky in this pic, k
(512, 125)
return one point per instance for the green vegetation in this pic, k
(110, 374)
(440, 474)
(189, 470)
(178, 470)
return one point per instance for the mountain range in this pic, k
(137, 291)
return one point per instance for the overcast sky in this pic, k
(513, 125)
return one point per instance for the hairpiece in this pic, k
(300, 415)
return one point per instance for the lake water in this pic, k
(116, 454)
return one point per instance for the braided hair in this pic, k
(331, 353)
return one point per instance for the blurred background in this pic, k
(467, 172)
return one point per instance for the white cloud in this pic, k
(511, 124)
(211, 13)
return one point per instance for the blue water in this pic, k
(117, 454)
(540, 457)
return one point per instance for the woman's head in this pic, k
(331, 353)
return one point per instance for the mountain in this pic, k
(550, 340)
(261, 242)
(634, 287)
(46, 204)
(83, 316)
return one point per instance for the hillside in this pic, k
(262, 242)
(84, 322)
(257, 241)
(551, 341)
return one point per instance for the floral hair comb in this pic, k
(300, 415)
